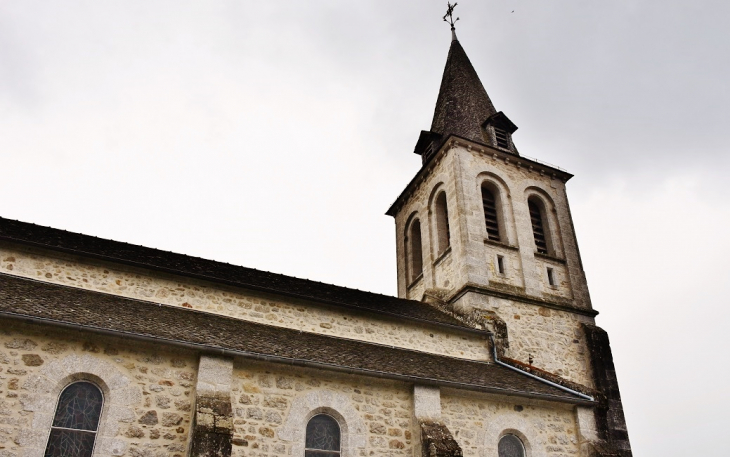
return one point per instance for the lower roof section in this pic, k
(64, 306)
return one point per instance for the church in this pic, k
(489, 350)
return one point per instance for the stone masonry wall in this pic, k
(553, 338)
(443, 272)
(272, 405)
(513, 275)
(238, 303)
(148, 391)
(516, 184)
(447, 274)
(461, 172)
(479, 421)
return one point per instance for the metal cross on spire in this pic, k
(451, 20)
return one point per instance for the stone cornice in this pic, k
(562, 305)
(453, 141)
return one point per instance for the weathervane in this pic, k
(451, 20)
(450, 14)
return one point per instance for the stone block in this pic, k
(427, 403)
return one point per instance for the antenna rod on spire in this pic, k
(451, 20)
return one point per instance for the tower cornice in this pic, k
(455, 141)
(556, 303)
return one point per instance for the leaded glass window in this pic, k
(76, 421)
(511, 446)
(323, 437)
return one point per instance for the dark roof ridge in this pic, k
(41, 302)
(221, 272)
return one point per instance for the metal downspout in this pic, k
(538, 378)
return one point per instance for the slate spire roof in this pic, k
(463, 104)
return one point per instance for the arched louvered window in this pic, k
(539, 227)
(511, 446)
(442, 223)
(76, 421)
(491, 215)
(323, 437)
(415, 255)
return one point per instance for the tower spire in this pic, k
(463, 104)
(463, 107)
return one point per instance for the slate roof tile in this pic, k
(462, 105)
(62, 305)
(210, 270)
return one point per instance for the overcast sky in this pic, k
(275, 135)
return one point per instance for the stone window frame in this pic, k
(335, 404)
(511, 424)
(45, 387)
(409, 244)
(548, 213)
(440, 226)
(503, 203)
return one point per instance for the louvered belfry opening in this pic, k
(490, 214)
(538, 228)
(502, 138)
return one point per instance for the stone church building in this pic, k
(490, 348)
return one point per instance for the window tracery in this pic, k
(511, 446)
(76, 421)
(323, 437)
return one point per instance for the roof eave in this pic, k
(456, 326)
(296, 361)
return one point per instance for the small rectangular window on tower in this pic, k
(551, 277)
(500, 264)
(502, 138)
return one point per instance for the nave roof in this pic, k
(224, 273)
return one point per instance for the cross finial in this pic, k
(451, 20)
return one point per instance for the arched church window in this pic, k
(442, 223)
(323, 437)
(539, 226)
(511, 446)
(491, 215)
(76, 421)
(413, 245)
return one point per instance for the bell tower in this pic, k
(478, 220)
(486, 233)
